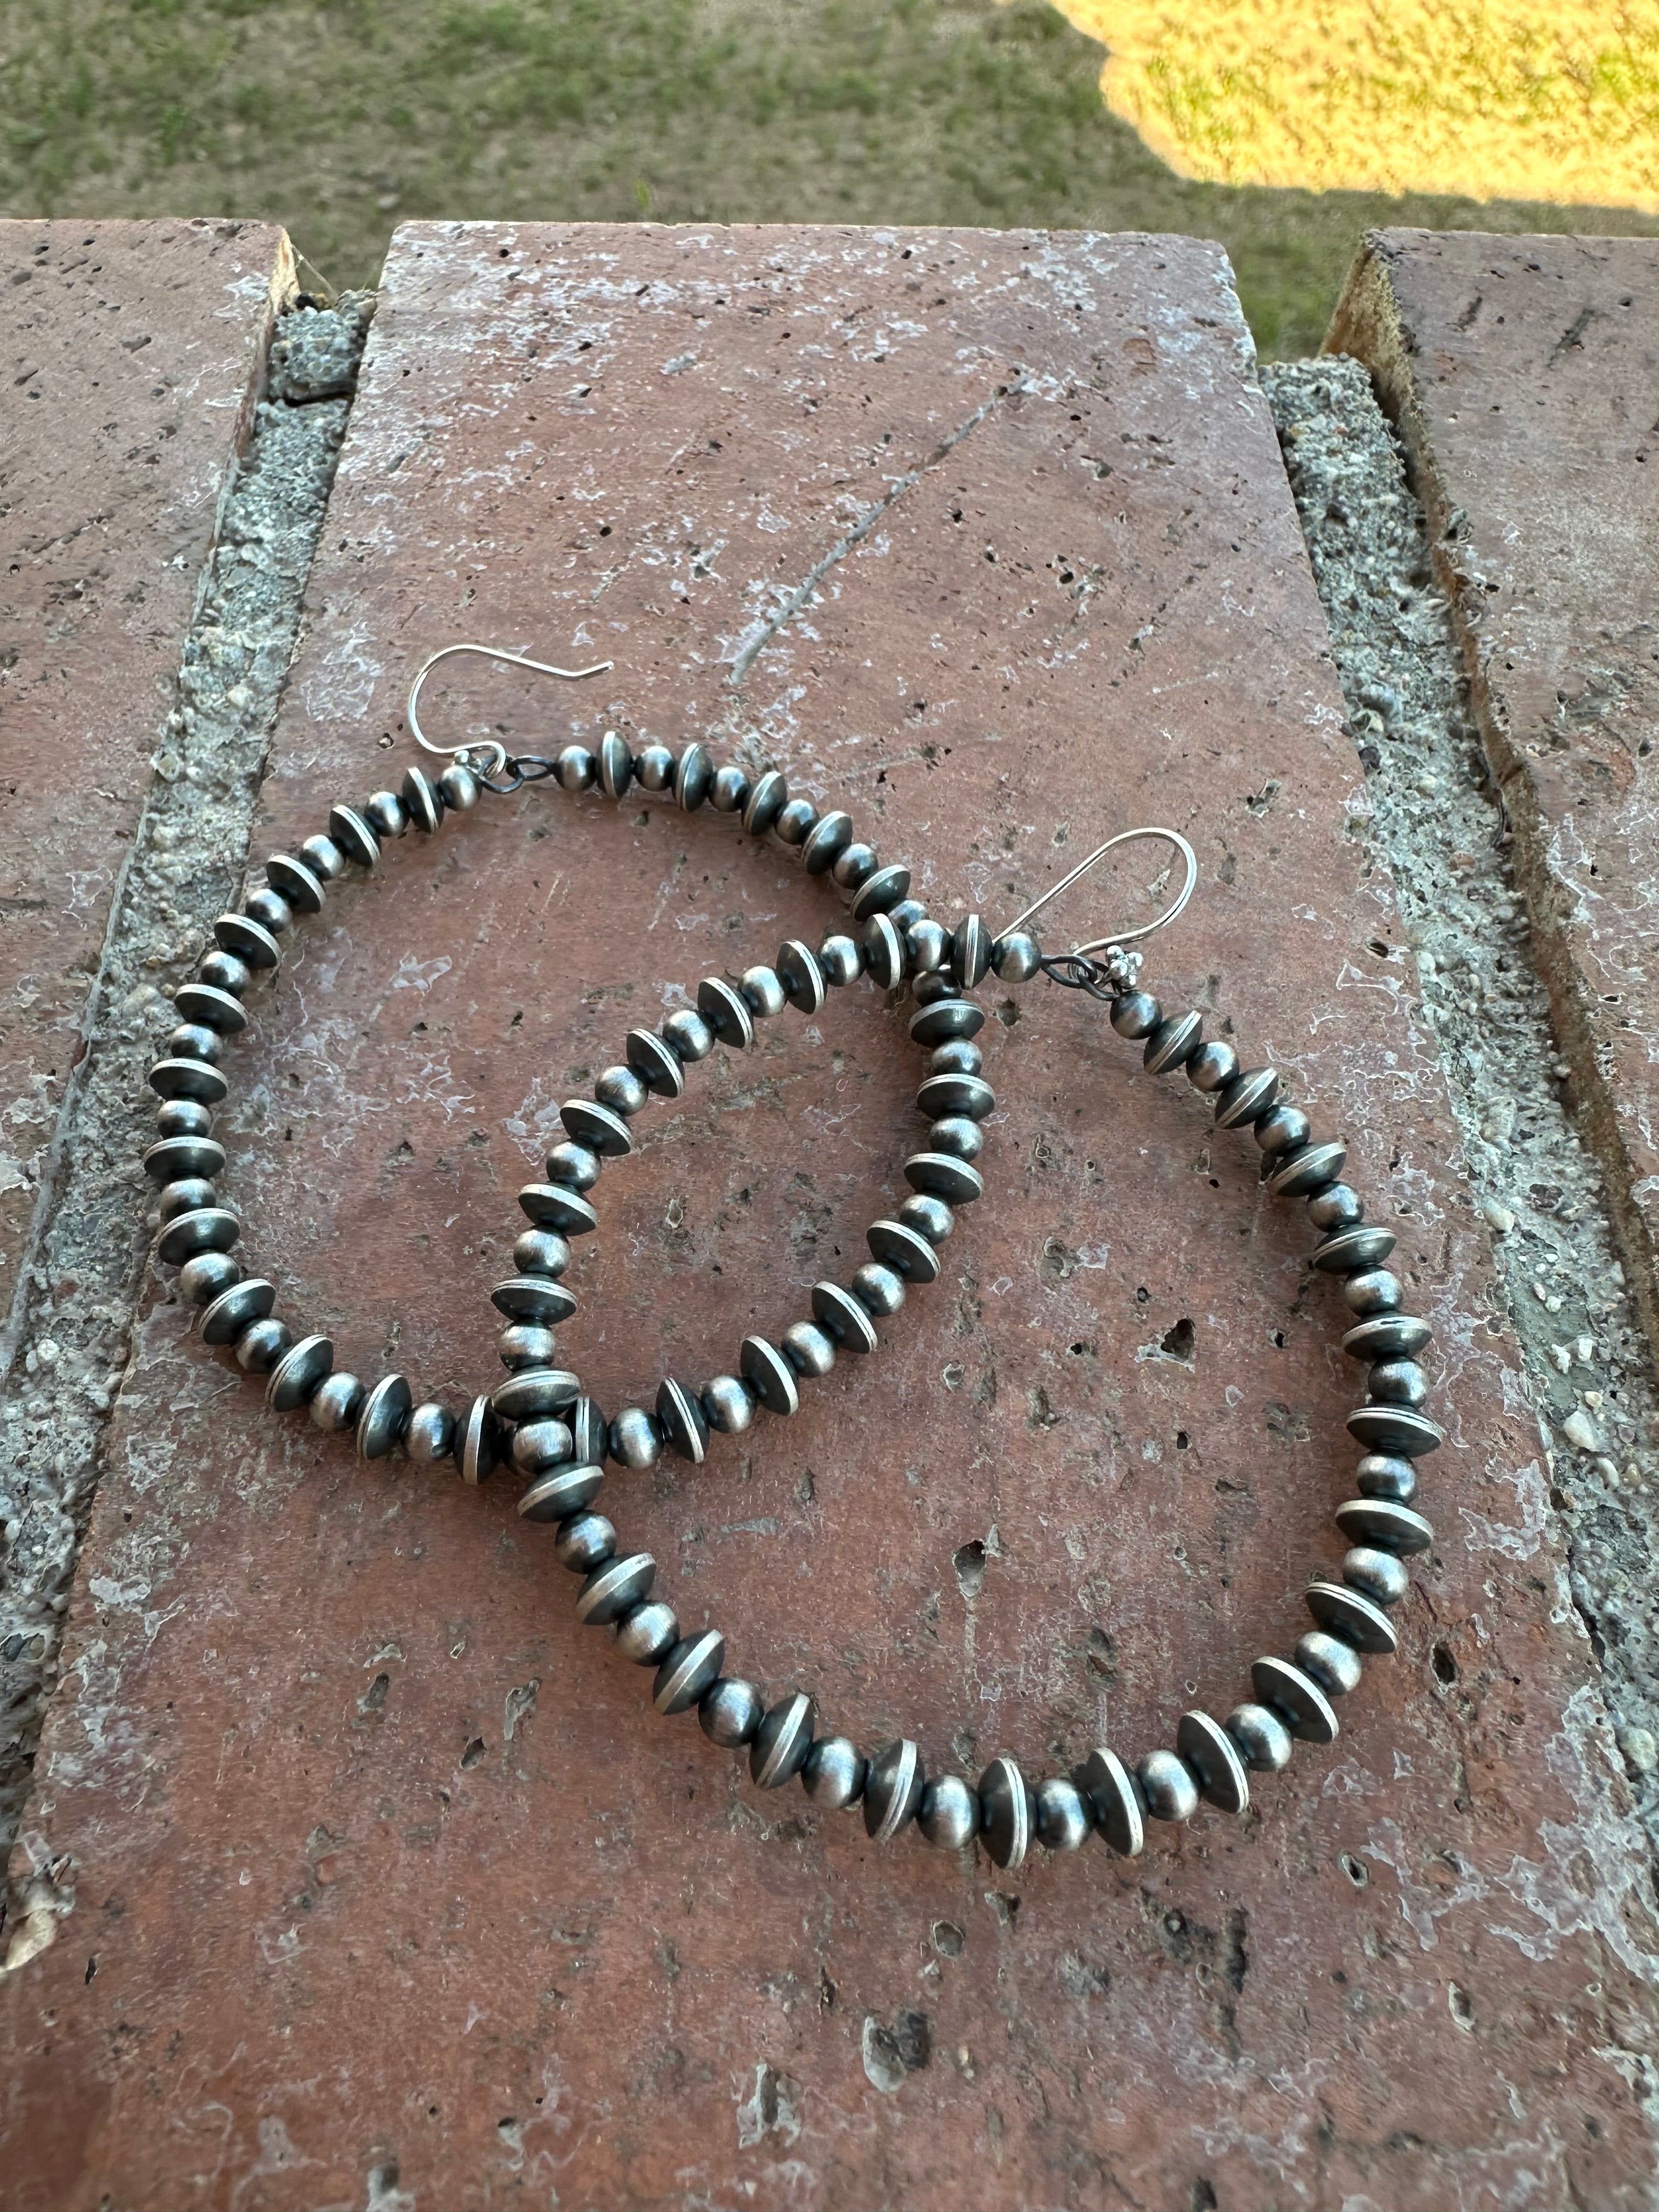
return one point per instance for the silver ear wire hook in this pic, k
(1176, 905)
(494, 745)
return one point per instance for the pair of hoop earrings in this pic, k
(541, 1424)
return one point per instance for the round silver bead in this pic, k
(525, 1344)
(959, 1135)
(621, 1090)
(385, 814)
(1169, 1786)
(879, 1288)
(584, 1541)
(728, 1405)
(647, 1632)
(1398, 1383)
(1328, 1661)
(956, 1056)
(261, 1344)
(853, 866)
(833, 1777)
(948, 1813)
(269, 909)
(323, 858)
(430, 1437)
(337, 1402)
(187, 1195)
(195, 1041)
(1016, 957)
(762, 990)
(635, 1439)
(928, 1216)
(1382, 1476)
(729, 793)
(205, 1276)
(840, 960)
(541, 1252)
(575, 769)
(1063, 1820)
(1375, 1290)
(928, 945)
(1213, 1066)
(690, 1037)
(809, 1349)
(1379, 1576)
(1264, 1741)
(796, 821)
(459, 786)
(729, 1712)
(655, 768)
(1283, 1129)
(538, 1445)
(1135, 1014)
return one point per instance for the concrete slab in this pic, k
(1522, 373)
(133, 355)
(389, 1887)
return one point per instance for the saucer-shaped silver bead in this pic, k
(536, 1391)
(385, 1417)
(1168, 1786)
(477, 1442)
(802, 978)
(533, 1299)
(1246, 1098)
(337, 1402)
(354, 835)
(770, 1376)
(1376, 1575)
(538, 1445)
(769, 795)
(551, 1205)
(430, 1437)
(424, 802)
(616, 764)
(1387, 1336)
(693, 778)
(636, 1440)
(692, 1666)
(879, 892)
(1396, 1430)
(214, 1009)
(840, 961)
(880, 1289)
(927, 1217)
(1017, 956)
(261, 1344)
(251, 944)
(729, 1711)
(970, 951)
(948, 1813)
(188, 1078)
(175, 1157)
(906, 1251)
(205, 1275)
(615, 1589)
(596, 1127)
(656, 1063)
(958, 1182)
(297, 1373)
(845, 1317)
(946, 1019)
(827, 839)
(1007, 1813)
(205, 1229)
(1173, 1043)
(782, 1741)
(1063, 1820)
(525, 1344)
(723, 1007)
(1212, 1067)
(1297, 1698)
(833, 1777)
(230, 1313)
(728, 1404)
(590, 1432)
(1330, 1661)
(1135, 1014)
(1391, 1527)
(810, 1350)
(883, 953)
(1213, 1757)
(646, 1633)
(585, 1540)
(559, 1491)
(684, 1423)
(1310, 1169)
(1398, 1383)
(1346, 1613)
(1263, 1740)
(893, 1784)
(959, 1097)
(1346, 1251)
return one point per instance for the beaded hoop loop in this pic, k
(541, 1420)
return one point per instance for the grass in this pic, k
(341, 118)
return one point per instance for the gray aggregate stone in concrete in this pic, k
(1438, 821)
(186, 861)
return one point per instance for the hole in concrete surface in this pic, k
(474, 1753)
(1444, 1665)
(969, 1563)
(1180, 1342)
(1352, 1867)
(948, 1938)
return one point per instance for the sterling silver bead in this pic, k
(636, 1440)
(957, 1134)
(385, 814)
(384, 1416)
(927, 1216)
(833, 1777)
(203, 1277)
(654, 768)
(879, 1289)
(844, 1317)
(767, 800)
(541, 1252)
(796, 824)
(526, 1344)
(1063, 1820)
(575, 769)
(1329, 1661)
(1297, 1698)
(684, 1423)
(824, 843)
(261, 1344)
(729, 1711)
(802, 978)
(1135, 1014)
(1169, 1786)
(622, 1090)
(1264, 1741)
(728, 1405)
(692, 1666)
(430, 1436)
(729, 793)
(948, 1813)
(1379, 1576)
(538, 1445)
(927, 945)
(853, 866)
(782, 1741)
(1008, 1812)
(337, 1402)
(584, 1541)
(809, 1349)
(693, 778)
(616, 764)
(1017, 956)
(690, 1037)
(769, 1375)
(1213, 1758)
(893, 1785)
(762, 990)
(840, 960)
(1112, 1796)
(647, 1632)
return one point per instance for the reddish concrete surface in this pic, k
(1524, 373)
(391, 1889)
(132, 353)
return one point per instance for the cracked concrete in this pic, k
(70, 1329)
(1439, 823)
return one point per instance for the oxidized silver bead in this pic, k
(187, 1195)
(460, 787)
(424, 802)
(893, 1785)
(559, 1491)
(1007, 1813)
(1375, 1291)
(908, 912)
(533, 1299)
(1378, 1520)
(796, 821)
(525, 1344)
(770, 1376)
(927, 990)
(621, 1090)
(1017, 956)
(906, 1251)
(206, 1275)
(853, 866)
(729, 1711)
(615, 1589)
(833, 1777)
(690, 1037)
(636, 1440)
(204, 1229)
(881, 891)
(1283, 1129)
(1329, 1661)
(767, 800)
(1168, 1785)
(1173, 1043)
(724, 1007)
(927, 1216)
(584, 1541)
(1135, 1014)
(1063, 1820)
(596, 1127)
(541, 1252)
(537, 1390)
(269, 909)
(1213, 1758)
(782, 1741)
(656, 1063)
(538, 1445)
(682, 1420)
(728, 1405)
(385, 814)
(1343, 1611)
(927, 945)
(1398, 1383)
(762, 991)
(188, 1078)
(232, 1310)
(297, 1373)
(879, 1289)
(948, 1813)
(809, 1349)
(947, 1018)
(323, 858)
(1112, 1796)
(693, 778)
(956, 1056)
(430, 1437)
(590, 1432)
(845, 1317)
(840, 960)
(1212, 1067)
(1386, 1336)
(1264, 1741)
(828, 837)
(1297, 1698)
(1378, 1576)
(1307, 1169)
(953, 1097)
(1394, 1429)
(575, 769)
(692, 1666)
(945, 1176)
(957, 1134)
(212, 1006)
(384, 1416)
(654, 768)
(970, 951)
(337, 1402)
(729, 793)
(477, 1442)
(1382, 1476)
(1347, 1250)
(802, 978)
(883, 952)
(195, 1041)
(183, 1117)
(647, 1632)
(1336, 1206)
(616, 764)
(252, 944)
(261, 1344)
